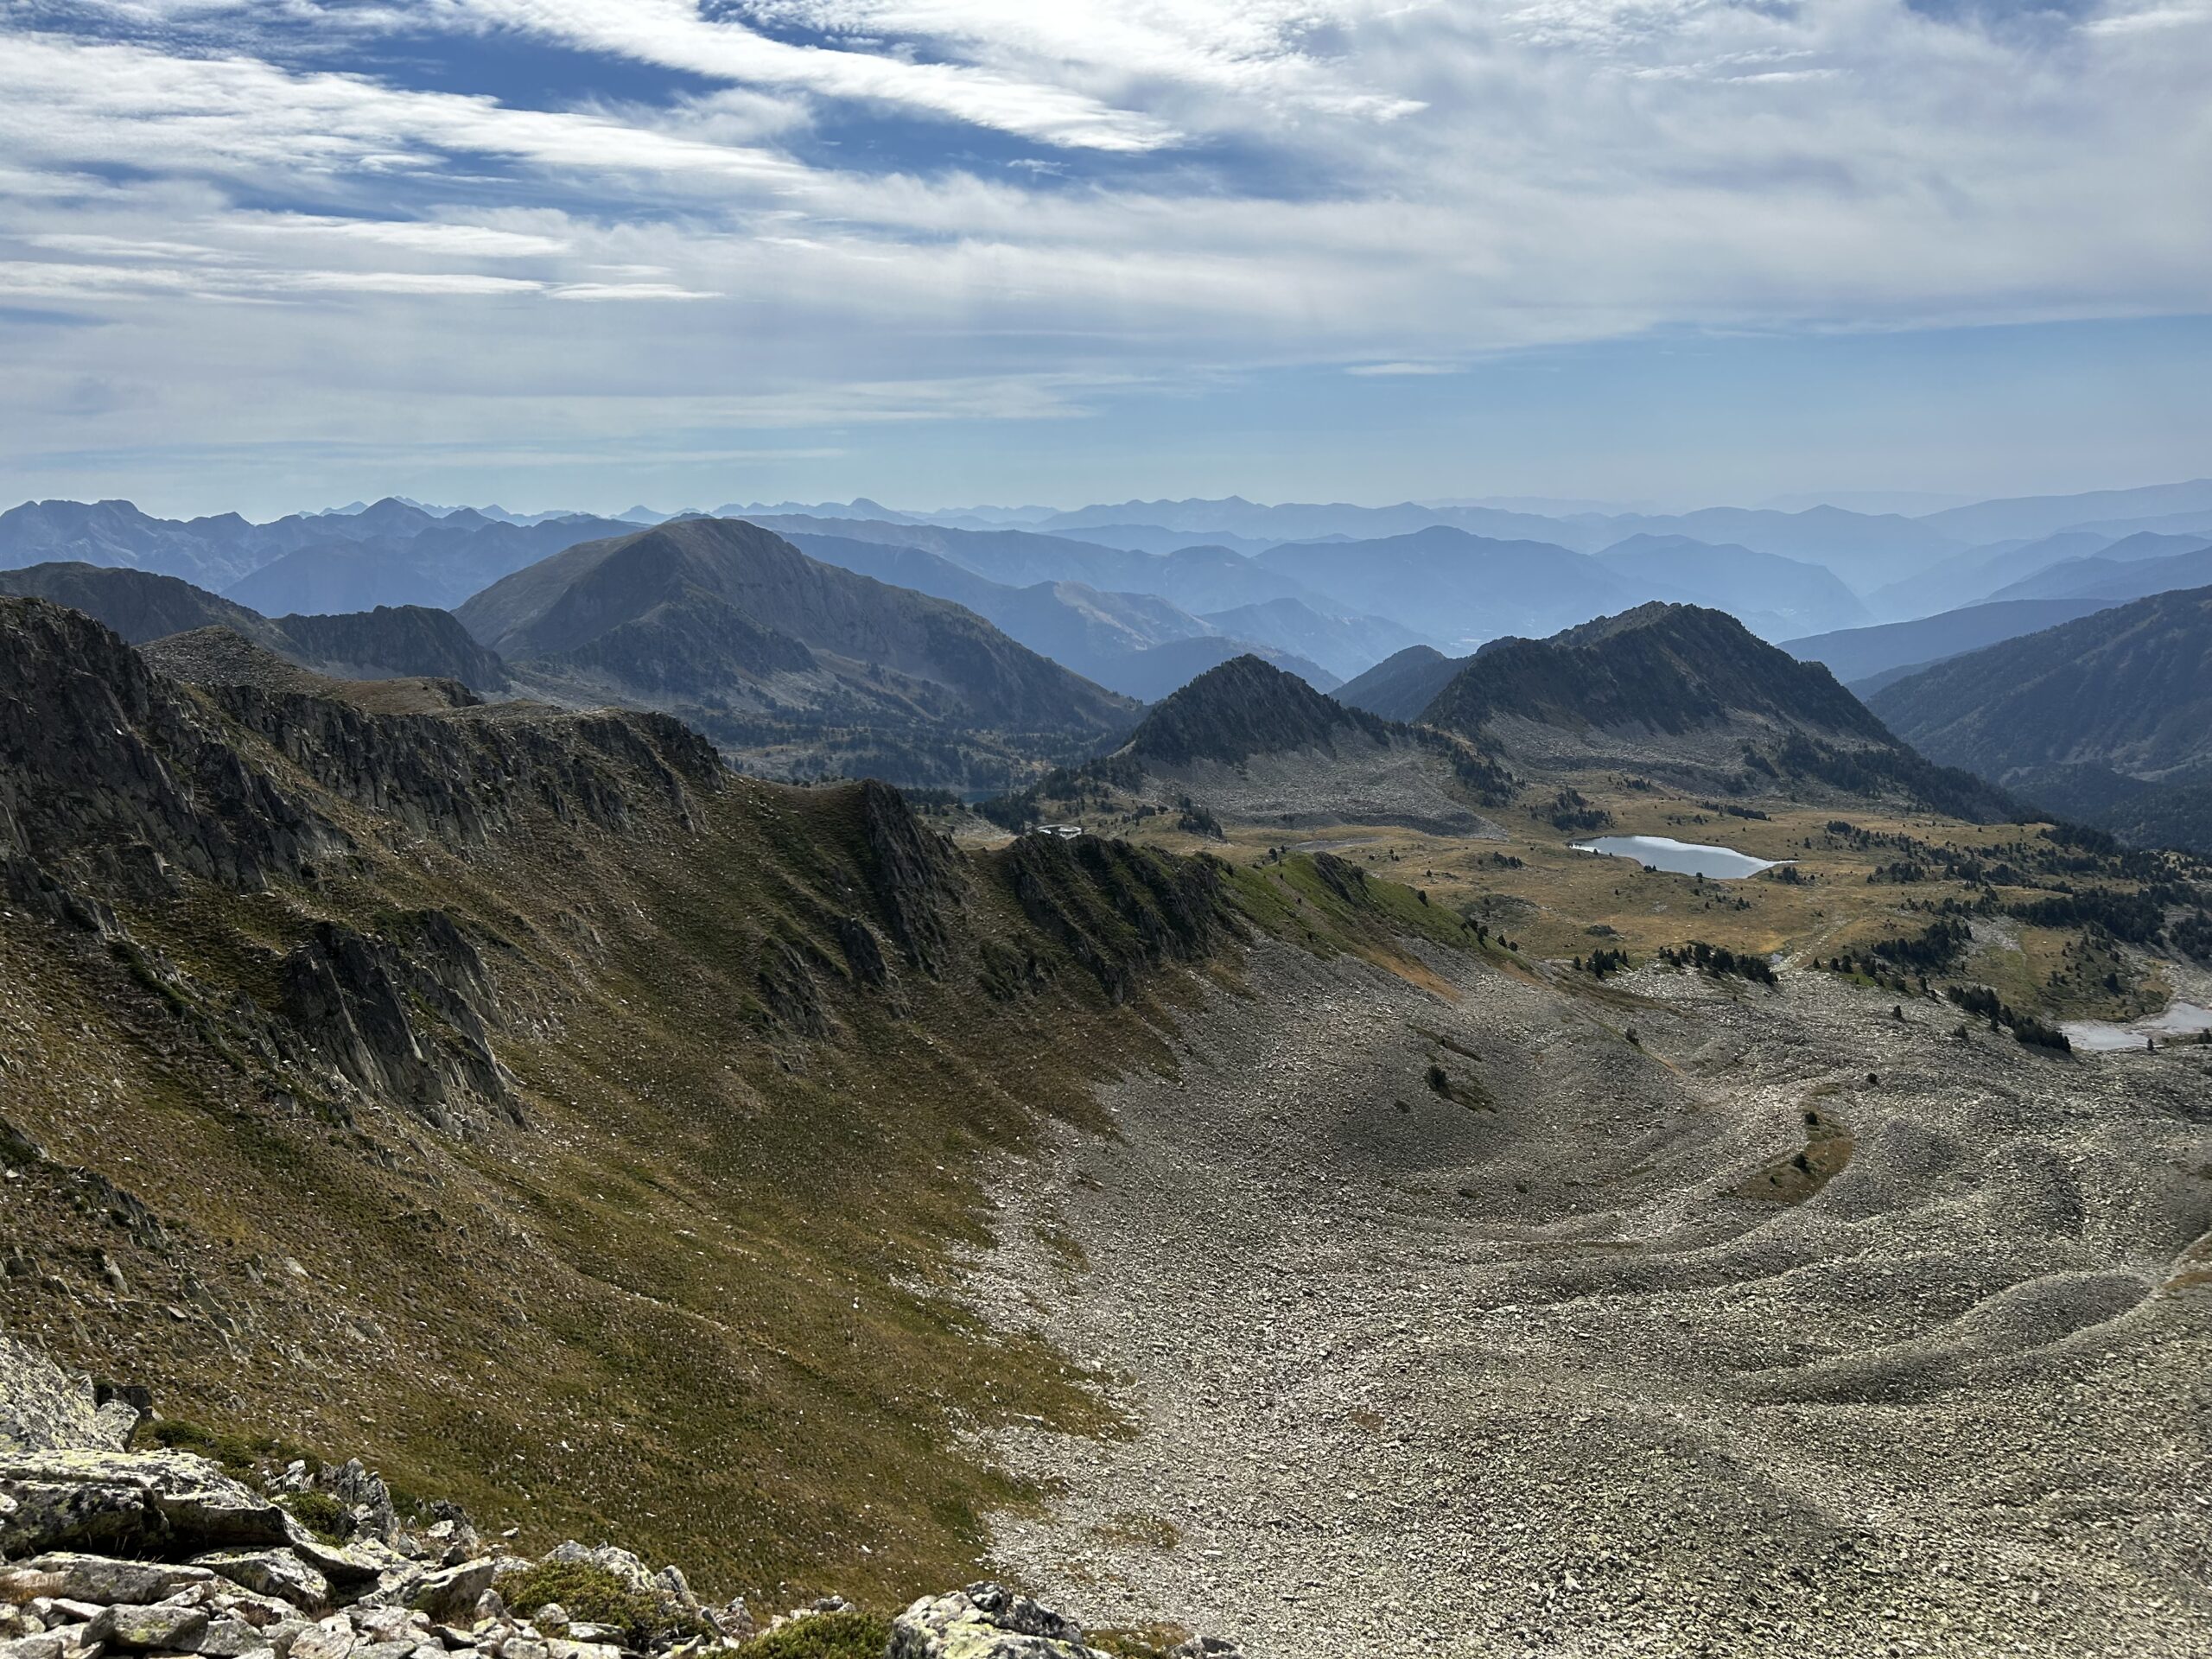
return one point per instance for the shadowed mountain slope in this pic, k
(388, 641)
(1683, 688)
(1343, 645)
(1401, 688)
(1161, 670)
(1243, 707)
(1247, 743)
(2109, 718)
(459, 1079)
(802, 665)
(1667, 668)
(139, 605)
(1856, 654)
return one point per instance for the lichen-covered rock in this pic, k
(137, 1503)
(166, 1626)
(985, 1621)
(67, 1575)
(450, 1594)
(278, 1572)
(332, 1638)
(43, 1408)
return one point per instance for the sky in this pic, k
(275, 254)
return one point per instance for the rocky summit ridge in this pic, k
(110, 1551)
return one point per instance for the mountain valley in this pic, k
(1241, 1163)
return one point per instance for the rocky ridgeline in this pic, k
(107, 1552)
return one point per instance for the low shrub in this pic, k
(320, 1514)
(848, 1635)
(595, 1596)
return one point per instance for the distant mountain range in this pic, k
(1139, 644)
(1125, 593)
(440, 563)
(2133, 569)
(2108, 718)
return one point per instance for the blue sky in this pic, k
(276, 253)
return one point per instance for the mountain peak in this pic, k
(1247, 707)
(1665, 667)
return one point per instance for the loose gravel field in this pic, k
(1465, 1326)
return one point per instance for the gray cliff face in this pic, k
(111, 771)
(119, 785)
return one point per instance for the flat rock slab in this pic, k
(137, 1503)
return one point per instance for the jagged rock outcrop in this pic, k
(408, 1027)
(392, 640)
(1116, 907)
(41, 1405)
(915, 874)
(108, 772)
(465, 778)
(380, 643)
(986, 1621)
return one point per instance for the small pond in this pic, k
(2182, 1022)
(1682, 857)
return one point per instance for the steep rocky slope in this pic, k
(1869, 658)
(1401, 687)
(527, 1101)
(1244, 707)
(139, 605)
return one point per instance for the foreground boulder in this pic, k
(986, 1621)
(160, 1504)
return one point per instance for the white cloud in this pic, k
(467, 241)
(674, 36)
(628, 291)
(1234, 186)
(72, 103)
